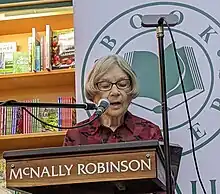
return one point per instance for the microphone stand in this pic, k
(160, 37)
(13, 103)
(158, 22)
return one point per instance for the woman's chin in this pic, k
(115, 112)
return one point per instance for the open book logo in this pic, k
(145, 64)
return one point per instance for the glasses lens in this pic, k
(124, 84)
(104, 86)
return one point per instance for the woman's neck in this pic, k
(112, 122)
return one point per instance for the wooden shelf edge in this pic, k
(31, 141)
(36, 83)
(40, 73)
(7, 5)
(31, 135)
(12, 25)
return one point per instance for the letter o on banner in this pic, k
(91, 168)
(134, 165)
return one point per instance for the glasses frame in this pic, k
(114, 83)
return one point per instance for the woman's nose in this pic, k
(115, 90)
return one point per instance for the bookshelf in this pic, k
(16, 25)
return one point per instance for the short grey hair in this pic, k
(101, 67)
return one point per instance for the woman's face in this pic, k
(114, 86)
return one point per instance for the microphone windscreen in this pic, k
(104, 103)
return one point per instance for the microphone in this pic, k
(103, 104)
(155, 20)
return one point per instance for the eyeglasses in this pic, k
(121, 85)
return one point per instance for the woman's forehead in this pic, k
(114, 73)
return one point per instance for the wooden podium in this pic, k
(131, 167)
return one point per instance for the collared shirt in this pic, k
(133, 129)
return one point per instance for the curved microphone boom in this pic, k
(102, 106)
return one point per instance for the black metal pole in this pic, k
(160, 37)
(12, 103)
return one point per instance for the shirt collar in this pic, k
(128, 122)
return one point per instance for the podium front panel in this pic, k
(85, 168)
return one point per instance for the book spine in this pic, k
(5, 121)
(1, 120)
(48, 49)
(37, 58)
(42, 57)
(59, 114)
(30, 57)
(14, 119)
(33, 50)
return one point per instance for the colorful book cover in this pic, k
(50, 116)
(20, 62)
(63, 49)
(6, 63)
(6, 57)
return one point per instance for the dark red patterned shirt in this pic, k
(133, 129)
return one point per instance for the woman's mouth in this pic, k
(115, 104)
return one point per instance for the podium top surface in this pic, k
(83, 149)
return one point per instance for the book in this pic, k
(42, 51)
(20, 62)
(6, 60)
(2, 61)
(30, 57)
(6, 57)
(145, 65)
(36, 50)
(48, 48)
(63, 49)
(8, 47)
(50, 116)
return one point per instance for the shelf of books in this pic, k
(37, 64)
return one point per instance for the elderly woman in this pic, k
(112, 78)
